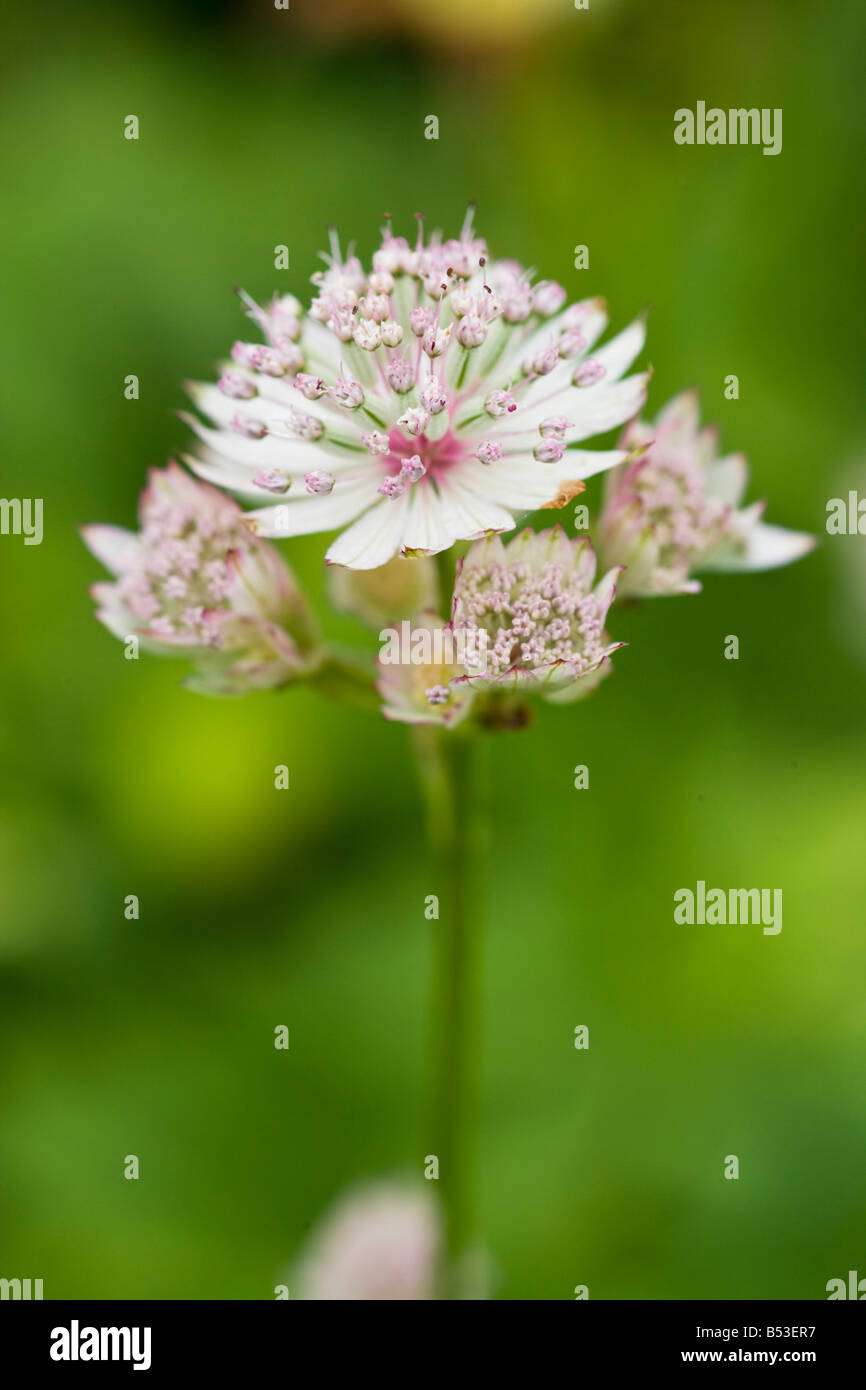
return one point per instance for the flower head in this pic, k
(543, 615)
(674, 509)
(382, 1242)
(195, 582)
(444, 394)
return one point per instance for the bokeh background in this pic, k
(306, 908)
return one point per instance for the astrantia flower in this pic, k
(543, 615)
(431, 398)
(419, 666)
(383, 1242)
(195, 582)
(674, 510)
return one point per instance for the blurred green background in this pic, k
(306, 908)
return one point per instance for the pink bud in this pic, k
(571, 343)
(376, 442)
(240, 388)
(549, 451)
(488, 451)
(420, 319)
(319, 482)
(249, 427)
(392, 487)
(554, 427)
(400, 376)
(414, 421)
(548, 297)
(367, 335)
(305, 426)
(589, 372)
(471, 332)
(545, 361)
(498, 402)
(348, 393)
(392, 333)
(310, 386)
(272, 480)
(432, 396)
(412, 469)
(433, 342)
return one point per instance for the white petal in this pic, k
(310, 514)
(112, 611)
(322, 349)
(113, 546)
(294, 456)
(524, 484)
(426, 525)
(592, 409)
(547, 335)
(375, 538)
(726, 478)
(618, 355)
(472, 508)
(275, 399)
(767, 547)
(682, 416)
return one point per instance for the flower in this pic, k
(444, 394)
(381, 1242)
(398, 589)
(419, 667)
(544, 621)
(196, 582)
(674, 509)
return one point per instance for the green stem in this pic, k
(452, 777)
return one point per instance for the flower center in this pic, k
(437, 455)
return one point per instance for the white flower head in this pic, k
(675, 509)
(438, 354)
(195, 582)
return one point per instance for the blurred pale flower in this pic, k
(434, 398)
(195, 582)
(543, 614)
(674, 509)
(418, 668)
(381, 1242)
(398, 589)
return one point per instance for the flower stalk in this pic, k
(453, 776)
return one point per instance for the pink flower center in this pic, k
(437, 455)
